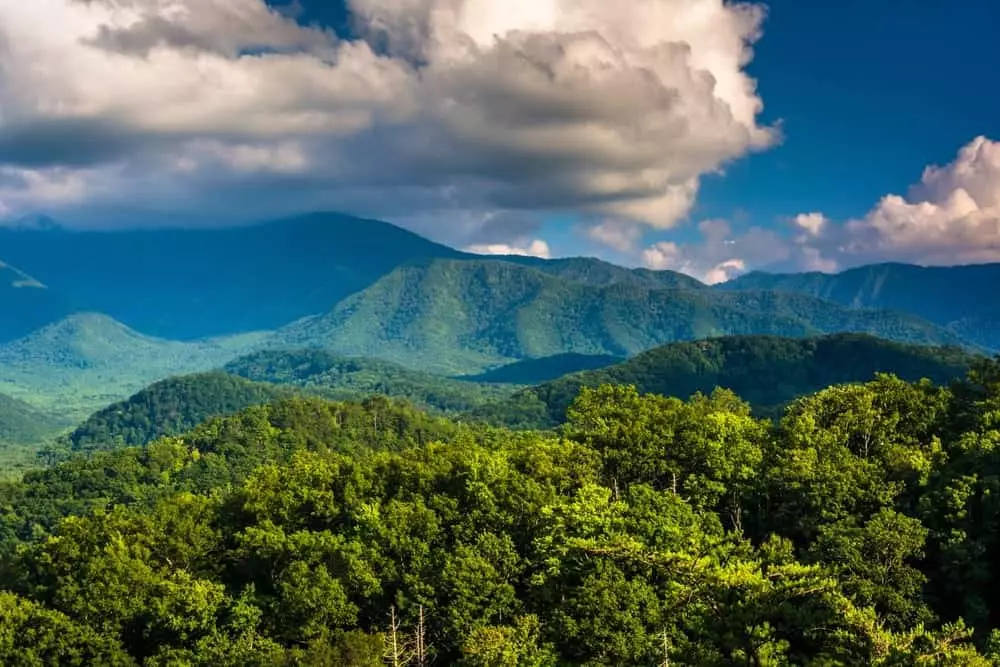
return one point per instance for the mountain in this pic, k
(188, 284)
(26, 304)
(170, 407)
(87, 360)
(596, 272)
(337, 377)
(178, 404)
(767, 371)
(537, 371)
(959, 297)
(22, 423)
(464, 316)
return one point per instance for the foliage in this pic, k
(766, 371)
(339, 378)
(860, 530)
(170, 407)
(464, 316)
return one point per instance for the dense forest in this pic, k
(340, 378)
(860, 529)
(170, 407)
(461, 317)
(766, 371)
(178, 404)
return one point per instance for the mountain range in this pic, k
(769, 371)
(460, 316)
(187, 284)
(91, 317)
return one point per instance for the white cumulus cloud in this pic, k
(438, 107)
(951, 216)
(720, 255)
(534, 248)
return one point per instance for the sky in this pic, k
(702, 136)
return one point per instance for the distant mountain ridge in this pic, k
(88, 318)
(464, 316)
(187, 284)
(88, 360)
(961, 298)
(598, 273)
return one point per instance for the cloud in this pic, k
(719, 256)
(534, 248)
(813, 224)
(437, 109)
(622, 236)
(951, 216)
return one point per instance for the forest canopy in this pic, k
(860, 529)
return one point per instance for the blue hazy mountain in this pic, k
(27, 304)
(195, 283)
(961, 298)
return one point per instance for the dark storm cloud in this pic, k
(69, 142)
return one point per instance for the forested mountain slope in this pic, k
(22, 423)
(178, 404)
(598, 273)
(338, 377)
(169, 407)
(766, 371)
(87, 360)
(460, 317)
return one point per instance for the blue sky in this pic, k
(560, 127)
(868, 93)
